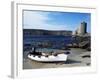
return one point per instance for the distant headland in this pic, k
(47, 32)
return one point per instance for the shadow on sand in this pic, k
(64, 62)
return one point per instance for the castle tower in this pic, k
(82, 29)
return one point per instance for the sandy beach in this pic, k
(77, 57)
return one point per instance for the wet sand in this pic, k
(78, 57)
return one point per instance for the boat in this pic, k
(46, 57)
(51, 58)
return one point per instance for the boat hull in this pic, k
(51, 58)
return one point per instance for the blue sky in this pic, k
(55, 20)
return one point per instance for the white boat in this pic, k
(49, 58)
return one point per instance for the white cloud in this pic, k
(38, 20)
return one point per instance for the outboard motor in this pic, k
(32, 51)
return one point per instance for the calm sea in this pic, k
(55, 41)
(39, 38)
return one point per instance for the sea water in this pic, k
(30, 41)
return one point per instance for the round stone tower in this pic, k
(82, 29)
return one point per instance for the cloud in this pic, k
(40, 20)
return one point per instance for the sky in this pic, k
(50, 20)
